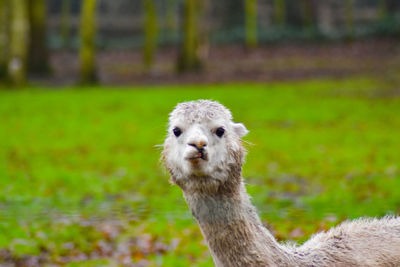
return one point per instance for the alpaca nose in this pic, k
(198, 145)
(197, 138)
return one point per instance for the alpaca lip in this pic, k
(198, 156)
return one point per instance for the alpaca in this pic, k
(203, 153)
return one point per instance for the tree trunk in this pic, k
(151, 31)
(280, 12)
(325, 17)
(19, 42)
(188, 59)
(307, 13)
(382, 10)
(204, 28)
(251, 23)
(4, 40)
(349, 12)
(65, 23)
(87, 49)
(38, 53)
(170, 16)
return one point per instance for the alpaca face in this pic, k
(202, 144)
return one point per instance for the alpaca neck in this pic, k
(233, 230)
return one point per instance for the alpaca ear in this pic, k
(240, 129)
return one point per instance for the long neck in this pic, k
(234, 232)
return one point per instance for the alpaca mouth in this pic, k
(197, 157)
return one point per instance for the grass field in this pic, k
(81, 182)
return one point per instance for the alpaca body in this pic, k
(362, 242)
(204, 156)
(236, 237)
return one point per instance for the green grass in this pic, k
(80, 169)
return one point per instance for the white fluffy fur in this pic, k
(215, 192)
(198, 122)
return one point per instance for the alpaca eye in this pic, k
(177, 131)
(220, 132)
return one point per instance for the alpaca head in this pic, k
(203, 149)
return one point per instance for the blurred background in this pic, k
(85, 91)
(124, 42)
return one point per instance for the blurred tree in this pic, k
(307, 13)
(204, 30)
(4, 30)
(170, 16)
(150, 32)
(382, 9)
(19, 42)
(325, 17)
(280, 12)
(65, 23)
(251, 23)
(87, 49)
(188, 59)
(38, 59)
(349, 17)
